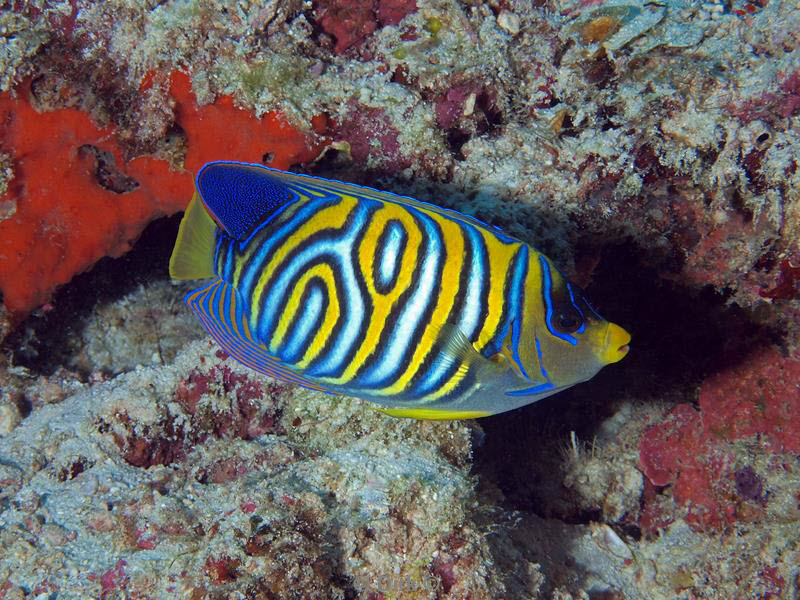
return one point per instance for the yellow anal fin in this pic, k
(193, 254)
(432, 413)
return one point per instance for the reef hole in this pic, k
(679, 336)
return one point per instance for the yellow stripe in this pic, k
(448, 386)
(499, 256)
(289, 314)
(453, 241)
(232, 316)
(292, 305)
(303, 190)
(249, 336)
(333, 217)
(382, 303)
(532, 316)
(329, 321)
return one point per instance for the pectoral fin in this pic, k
(456, 348)
(457, 355)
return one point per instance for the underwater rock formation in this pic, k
(651, 149)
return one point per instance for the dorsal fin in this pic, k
(321, 186)
(241, 196)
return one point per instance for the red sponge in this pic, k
(65, 220)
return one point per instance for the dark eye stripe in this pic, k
(547, 285)
(594, 311)
(516, 295)
(582, 328)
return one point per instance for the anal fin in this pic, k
(219, 309)
(432, 413)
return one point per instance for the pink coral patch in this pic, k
(658, 448)
(449, 108)
(691, 450)
(372, 135)
(761, 397)
(113, 580)
(391, 12)
(349, 21)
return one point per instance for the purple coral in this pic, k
(748, 483)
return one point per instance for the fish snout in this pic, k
(616, 344)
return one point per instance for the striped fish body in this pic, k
(427, 312)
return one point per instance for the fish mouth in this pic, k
(616, 344)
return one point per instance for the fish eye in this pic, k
(568, 322)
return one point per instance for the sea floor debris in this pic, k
(197, 476)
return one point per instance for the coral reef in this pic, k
(702, 173)
(231, 481)
(350, 23)
(651, 149)
(146, 326)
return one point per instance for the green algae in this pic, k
(280, 77)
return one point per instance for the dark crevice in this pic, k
(493, 117)
(106, 171)
(45, 340)
(456, 138)
(600, 70)
(680, 337)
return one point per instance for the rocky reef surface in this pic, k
(650, 148)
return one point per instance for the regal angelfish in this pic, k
(425, 311)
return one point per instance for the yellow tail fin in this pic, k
(193, 254)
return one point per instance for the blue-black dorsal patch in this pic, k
(241, 196)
